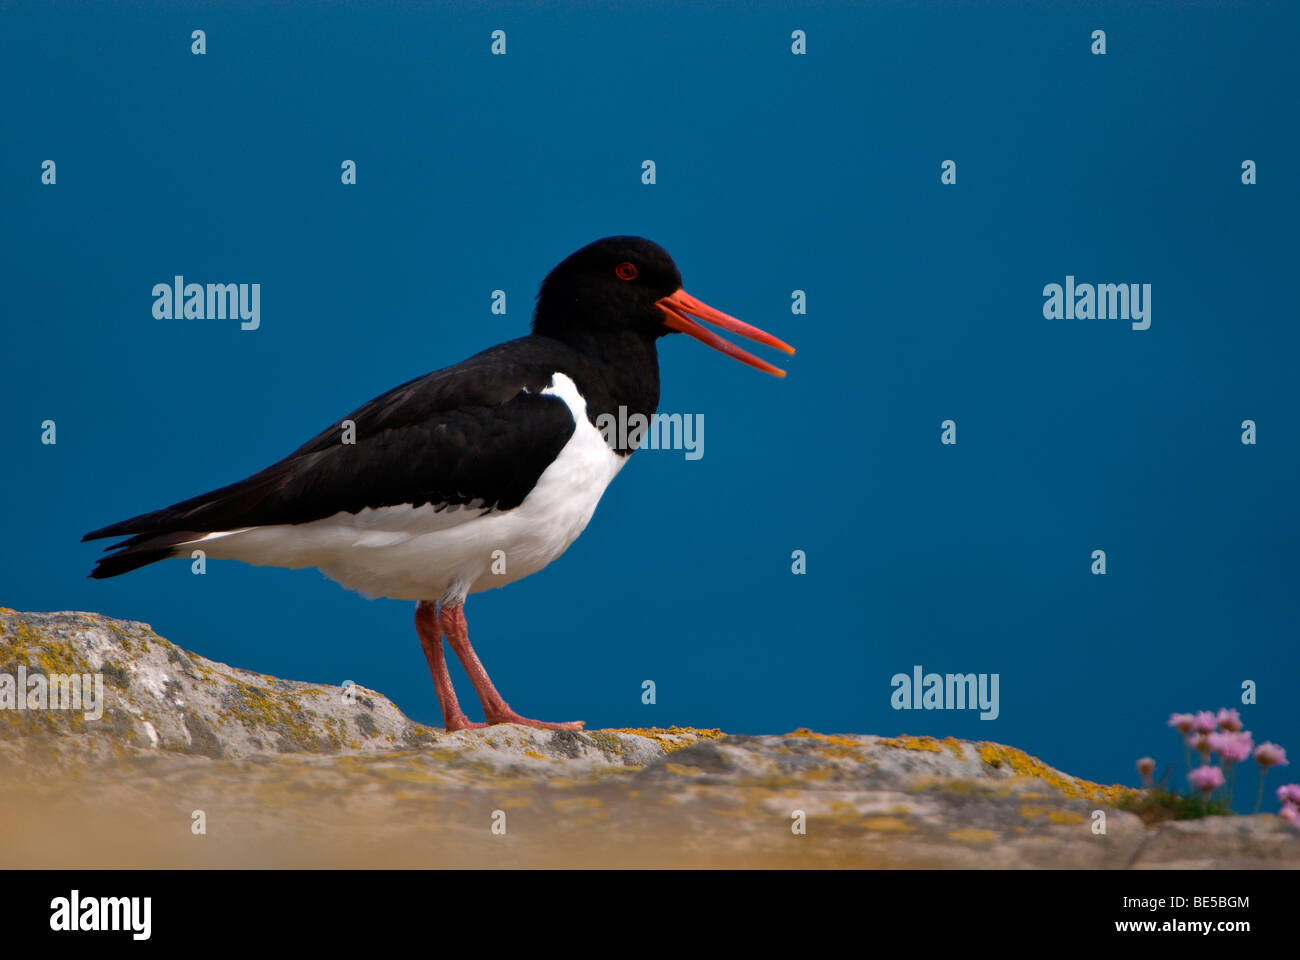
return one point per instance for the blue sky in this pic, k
(775, 172)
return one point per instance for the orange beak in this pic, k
(678, 305)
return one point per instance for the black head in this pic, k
(627, 289)
(611, 285)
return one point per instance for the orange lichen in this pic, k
(671, 738)
(905, 742)
(828, 738)
(1022, 764)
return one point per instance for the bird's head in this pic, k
(624, 285)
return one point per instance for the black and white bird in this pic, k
(496, 458)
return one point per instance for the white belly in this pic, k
(419, 553)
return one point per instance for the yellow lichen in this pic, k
(827, 738)
(262, 709)
(965, 787)
(928, 744)
(820, 773)
(887, 825)
(670, 738)
(972, 835)
(572, 804)
(953, 744)
(681, 770)
(1022, 764)
(1065, 816)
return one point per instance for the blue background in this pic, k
(775, 172)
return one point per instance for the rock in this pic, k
(160, 698)
(282, 773)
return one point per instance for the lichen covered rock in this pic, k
(195, 763)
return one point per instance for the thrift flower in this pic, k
(1267, 755)
(1229, 720)
(1146, 766)
(1206, 779)
(1200, 742)
(1231, 747)
(1270, 755)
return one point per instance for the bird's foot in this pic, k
(509, 716)
(453, 724)
(462, 722)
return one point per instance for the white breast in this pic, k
(418, 553)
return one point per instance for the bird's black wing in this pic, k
(479, 433)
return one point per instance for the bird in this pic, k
(467, 478)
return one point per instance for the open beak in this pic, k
(678, 305)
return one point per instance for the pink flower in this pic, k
(1145, 766)
(1182, 721)
(1206, 779)
(1200, 742)
(1289, 793)
(1229, 720)
(1231, 747)
(1204, 722)
(1270, 755)
(1290, 813)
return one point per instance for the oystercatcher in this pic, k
(469, 477)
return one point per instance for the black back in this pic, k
(478, 434)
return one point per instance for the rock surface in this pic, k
(281, 773)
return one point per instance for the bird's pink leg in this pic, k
(452, 618)
(430, 633)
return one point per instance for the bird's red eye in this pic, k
(626, 271)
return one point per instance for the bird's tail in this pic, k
(161, 534)
(139, 551)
